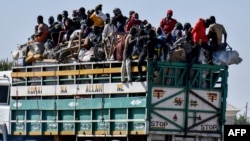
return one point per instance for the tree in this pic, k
(5, 65)
(241, 120)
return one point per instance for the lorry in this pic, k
(86, 101)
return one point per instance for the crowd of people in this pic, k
(125, 38)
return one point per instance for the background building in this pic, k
(231, 113)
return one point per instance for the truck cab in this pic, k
(5, 83)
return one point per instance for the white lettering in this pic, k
(231, 132)
(236, 132)
(243, 131)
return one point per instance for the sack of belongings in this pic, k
(20, 52)
(86, 55)
(226, 57)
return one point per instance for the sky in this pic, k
(18, 19)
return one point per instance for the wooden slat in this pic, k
(137, 132)
(50, 133)
(84, 133)
(119, 132)
(72, 72)
(101, 132)
(19, 133)
(35, 133)
(67, 133)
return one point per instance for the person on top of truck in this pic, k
(120, 20)
(168, 23)
(98, 17)
(109, 37)
(200, 38)
(149, 42)
(135, 21)
(42, 31)
(217, 33)
(40, 37)
(130, 42)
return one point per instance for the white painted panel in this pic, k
(101, 88)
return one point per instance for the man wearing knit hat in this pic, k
(168, 23)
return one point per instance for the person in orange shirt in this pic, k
(200, 38)
(42, 31)
(36, 46)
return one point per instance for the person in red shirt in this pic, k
(200, 40)
(168, 23)
(199, 37)
(134, 22)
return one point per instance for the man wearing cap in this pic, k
(168, 23)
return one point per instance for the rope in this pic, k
(16, 104)
(79, 67)
(77, 86)
(36, 92)
(102, 109)
(55, 95)
(17, 99)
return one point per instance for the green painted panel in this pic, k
(137, 113)
(18, 127)
(32, 104)
(51, 118)
(101, 115)
(128, 102)
(125, 102)
(34, 127)
(50, 126)
(67, 104)
(84, 126)
(118, 113)
(67, 126)
(49, 115)
(83, 114)
(33, 115)
(47, 104)
(17, 115)
(101, 126)
(89, 103)
(66, 115)
(63, 104)
(137, 126)
(118, 126)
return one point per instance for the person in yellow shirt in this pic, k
(98, 17)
